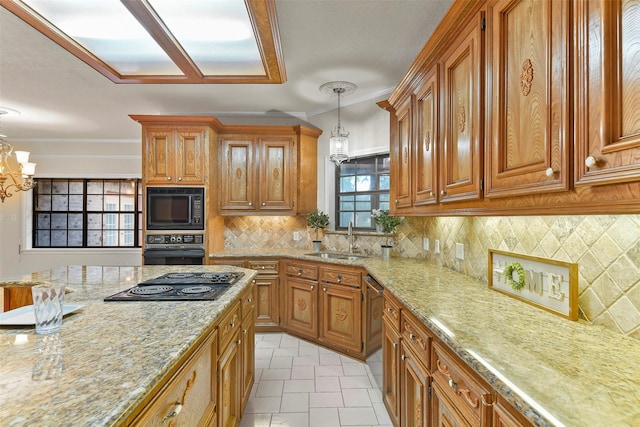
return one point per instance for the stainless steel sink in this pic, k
(333, 255)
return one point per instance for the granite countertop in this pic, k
(114, 353)
(556, 371)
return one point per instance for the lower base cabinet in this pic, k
(391, 371)
(444, 412)
(415, 390)
(190, 397)
(229, 385)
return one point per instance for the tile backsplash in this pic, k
(606, 248)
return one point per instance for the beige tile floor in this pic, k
(300, 384)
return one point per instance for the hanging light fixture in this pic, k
(339, 139)
(21, 180)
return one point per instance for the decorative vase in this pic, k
(317, 245)
(386, 251)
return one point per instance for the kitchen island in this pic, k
(115, 354)
(554, 371)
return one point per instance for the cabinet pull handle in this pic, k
(173, 412)
(453, 384)
(493, 397)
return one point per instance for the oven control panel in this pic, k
(164, 240)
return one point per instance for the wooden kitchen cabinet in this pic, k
(444, 413)
(400, 157)
(175, 155)
(468, 394)
(300, 288)
(267, 170)
(391, 368)
(341, 309)
(16, 297)
(505, 416)
(529, 127)
(461, 157)
(425, 144)
(189, 398)
(230, 384)
(267, 283)
(415, 406)
(247, 345)
(607, 92)
(373, 315)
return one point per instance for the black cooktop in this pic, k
(180, 287)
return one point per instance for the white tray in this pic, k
(25, 316)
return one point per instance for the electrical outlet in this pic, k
(297, 236)
(425, 243)
(460, 250)
(436, 246)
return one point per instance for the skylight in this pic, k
(165, 41)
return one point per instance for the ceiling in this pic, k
(371, 43)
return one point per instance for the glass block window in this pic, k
(362, 184)
(87, 213)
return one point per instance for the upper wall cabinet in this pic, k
(461, 154)
(425, 145)
(267, 170)
(257, 173)
(175, 155)
(608, 91)
(529, 130)
(401, 157)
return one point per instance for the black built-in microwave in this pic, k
(175, 208)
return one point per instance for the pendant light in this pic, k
(339, 139)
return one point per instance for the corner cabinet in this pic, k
(267, 171)
(608, 92)
(300, 288)
(528, 147)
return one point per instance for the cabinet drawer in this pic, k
(226, 261)
(460, 386)
(228, 326)
(191, 388)
(391, 312)
(341, 277)
(416, 336)
(263, 267)
(303, 271)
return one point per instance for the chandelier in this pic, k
(339, 139)
(21, 180)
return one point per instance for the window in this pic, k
(362, 184)
(87, 213)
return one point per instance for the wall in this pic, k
(62, 159)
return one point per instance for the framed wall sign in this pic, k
(545, 283)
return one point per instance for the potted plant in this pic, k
(389, 225)
(317, 220)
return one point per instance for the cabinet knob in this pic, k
(389, 310)
(239, 342)
(396, 201)
(550, 172)
(430, 193)
(168, 178)
(453, 384)
(300, 272)
(180, 179)
(249, 300)
(312, 287)
(590, 162)
(264, 204)
(324, 289)
(443, 193)
(395, 345)
(413, 337)
(403, 357)
(232, 324)
(262, 267)
(339, 278)
(244, 331)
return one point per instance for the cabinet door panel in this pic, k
(391, 370)
(247, 339)
(190, 156)
(341, 314)
(444, 412)
(237, 175)
(160, 160)
(229, 385)
(266, 290)
(276, 174)
(528, 147)
(461, 157)
(301, 307)
(415, 391)
(425, 147)
(608, 93)
(401, 161)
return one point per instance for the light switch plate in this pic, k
(297, 236)
(425, 243)
(460, 250)
(436, 246)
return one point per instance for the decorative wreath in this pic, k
(508, 272)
